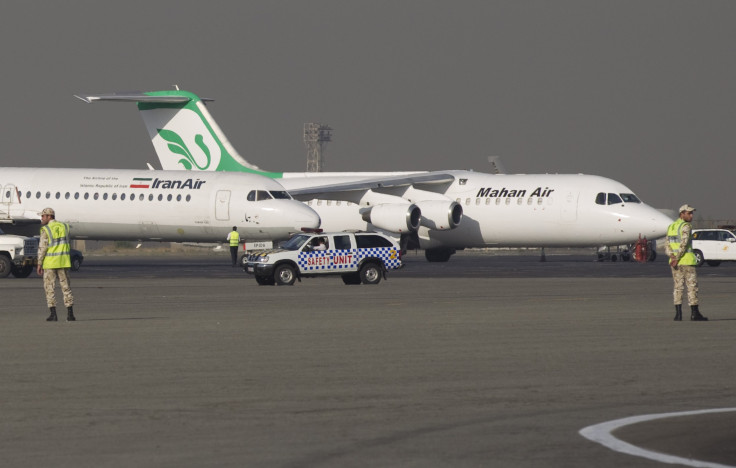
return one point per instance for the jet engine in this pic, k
(393, 217)
(440, 215)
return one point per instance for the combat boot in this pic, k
(695, 314)
(678, 312)
(52, 317)
(70, 314)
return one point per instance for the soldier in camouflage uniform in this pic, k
(54, 262)
(682, 261)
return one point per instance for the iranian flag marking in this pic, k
(141, 183)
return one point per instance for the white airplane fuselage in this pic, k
(504, 210)
(178, 206)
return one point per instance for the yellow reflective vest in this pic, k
(674, 237)
(234, 238)
(57, 255)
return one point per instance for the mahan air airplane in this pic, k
(438, 211)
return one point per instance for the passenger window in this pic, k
(600, 199)
(614, 199)
(477, 201)
(122, 196)
(342, 242)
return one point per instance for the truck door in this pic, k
(222, 205)
(343, 253)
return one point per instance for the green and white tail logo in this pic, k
(182, 140)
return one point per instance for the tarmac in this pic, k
(487, 360)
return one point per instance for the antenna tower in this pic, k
(316, 137)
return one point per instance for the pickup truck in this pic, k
(361, 257)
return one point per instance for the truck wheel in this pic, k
(76, 263)
(5, 266)
(699, 259)
(22, 272)
(351, 278)
(244, 260)
(265, 280)
(284, 275)
(370, 273)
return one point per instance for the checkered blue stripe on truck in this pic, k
(346, 259)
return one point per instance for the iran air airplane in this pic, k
(176, 206)
(439, 211)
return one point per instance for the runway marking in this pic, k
(601, 433)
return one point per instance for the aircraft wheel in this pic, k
(265, 280)
(351, 278)
(22, 272)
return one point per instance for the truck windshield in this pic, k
(295, 242)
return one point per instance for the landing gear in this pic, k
(439, 254)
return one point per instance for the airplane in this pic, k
(144, 205)
(438, 211)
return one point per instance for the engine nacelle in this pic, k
(440, 215)
(393, 217)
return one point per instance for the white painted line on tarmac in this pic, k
(601, 433)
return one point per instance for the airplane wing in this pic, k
(430, 181)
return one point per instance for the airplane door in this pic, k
(569, 208)
(222, 205)
(8, 194)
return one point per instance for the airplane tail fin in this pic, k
(183, 133)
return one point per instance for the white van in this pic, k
(712, 246)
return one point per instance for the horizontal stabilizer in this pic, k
(137, 96)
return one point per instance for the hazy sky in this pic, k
(638, 91)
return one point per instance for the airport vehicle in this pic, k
(713, 246)
(177, 206)
(440, 211)
(362, 257)
(17, 255)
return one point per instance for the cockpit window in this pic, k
(600, 199)
(281, 194)
(630, 198)
(258, 195)
(613, 199)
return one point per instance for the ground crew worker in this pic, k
(682, 261)
(234, 239)
(54, 262)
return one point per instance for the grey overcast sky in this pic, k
(639, 91)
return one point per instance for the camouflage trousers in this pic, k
(49, 283)
(685, 275)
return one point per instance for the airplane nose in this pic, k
(656, 224)
(305, 217)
